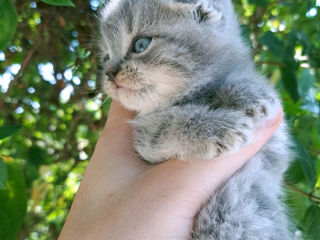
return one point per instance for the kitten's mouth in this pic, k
(121, 86)
(116, 84)
(121, 89)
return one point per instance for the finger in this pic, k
(118, 113)
(114, 163)
(115, 141)
(116, 136)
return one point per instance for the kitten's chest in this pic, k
(201, 95)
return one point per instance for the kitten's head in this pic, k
(154, 50)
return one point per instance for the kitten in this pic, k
(183, 67)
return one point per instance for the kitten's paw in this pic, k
(146, 144)
(259, 111)
(147, 154)
(234, 137)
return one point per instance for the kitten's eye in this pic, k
(141, 44)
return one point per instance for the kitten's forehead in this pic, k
(142, 10)
(132, 17)
(123, 6)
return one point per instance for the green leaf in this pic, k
(8, 22)
(289, 77)
(7, 131)
(312, 222)
(66, 3)
(13, 200)
(260, 3)
(289, 80)
(298, 205)
(36, 156)
(3, 175)
(274, 44)
(289, 51)
(317, 186)
(4, 226)
(306, 81)
(306, 163)
(295, 173)
(1, 1)
(318, 167)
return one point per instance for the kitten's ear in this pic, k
(202, 10)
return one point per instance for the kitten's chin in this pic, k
(131, 99)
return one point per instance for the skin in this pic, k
(122, 197)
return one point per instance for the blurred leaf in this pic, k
(3, 175)
(4, 226)
(289, 77)
(305, 81)
(13, 200)
(299, 204)
(274, 44)
(1, 1)
(289, 81)
(8, 22)
(6, 131)
(295, 173)
(318, 166)
(317, 186)
(66, 3)
(260, 3)
(306, 163)
(289, 51)
(36, 156)
(312, 222)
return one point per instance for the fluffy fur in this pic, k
(197, 95)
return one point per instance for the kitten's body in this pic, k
(198, 96)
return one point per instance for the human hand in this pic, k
(122, 197)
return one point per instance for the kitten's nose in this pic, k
(112, 73)
(112, 70)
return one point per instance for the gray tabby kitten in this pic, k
(183, 67)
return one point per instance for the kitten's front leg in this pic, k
(190, 132)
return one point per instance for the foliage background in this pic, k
(48, 86)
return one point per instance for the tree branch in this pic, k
(271, 63)
(24, 64)
(279, 64)
(308, 195)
